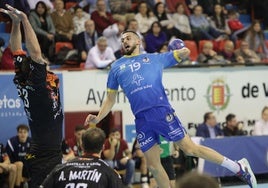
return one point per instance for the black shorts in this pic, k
(40, 165)
(167, 163)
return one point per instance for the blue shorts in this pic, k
(157, 121)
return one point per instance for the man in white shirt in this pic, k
(100, 56)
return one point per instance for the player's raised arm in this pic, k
(30, 36)
(15, 35)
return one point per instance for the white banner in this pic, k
(191, 91)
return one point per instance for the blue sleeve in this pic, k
(112, 82)
(168, 59)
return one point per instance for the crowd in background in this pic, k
(220, 31)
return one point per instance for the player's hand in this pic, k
(14, 13)
(183, 53)
(91, 119)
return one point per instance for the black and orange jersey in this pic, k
(83, 172)
(39, 91)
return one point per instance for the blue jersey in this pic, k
(140, 77)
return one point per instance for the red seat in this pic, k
(193, 48)
(69, 5)
(60, 45)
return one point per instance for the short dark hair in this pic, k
(23, 127)
(229, 117)
(93, 140)
(130, 31)
(79, 128)
(206, 116)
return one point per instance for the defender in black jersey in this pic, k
(88, 171)
(39, 91)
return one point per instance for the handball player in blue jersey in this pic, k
(39, 90)
(140, 77)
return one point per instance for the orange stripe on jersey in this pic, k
(19, 52)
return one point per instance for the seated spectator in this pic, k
(121, 10)
(219, 21)
(86, 40)
(228, 52)
(201, 27)
(182, 22)
(232, 127)
(7, 61)
(118, 156)
(208, 55)
(43, 26)
(246, 55)
(92, 5)
(166, 21)
(209, 128)
(7, 170)
(63, 22)
(191, 5)
(16, 148)
(256, 40)
(100, 56)
(144, 17)
(102, 17)
(79, 19)
(237, 28)
(113, 35)
(261, 126)
(75, 142)
(155, 38)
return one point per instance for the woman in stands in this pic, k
(256, 40)
(44, 28)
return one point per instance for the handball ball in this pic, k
(175, 44)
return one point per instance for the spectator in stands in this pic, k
(209, 5)
(63, 22)
(100, 56)
(118, 156)
(17, 147)
(145, 17)
(166, 21)
(256, 40)
(236, 26)
(75, 142)
(92, 5)
(208, 55)
(228, 52)
(191, 5)
(7, 170)
(219, 21)
(102, 17)
(246, 55)
(194, 179)
(182, 22)
(113, 35)
(79, 20)
(121, 10)
(86, 40)
(43, 26)
(155, 38)
(7, 62)
(201, 27)
(232, 127)
(209, 128)
(261, 126)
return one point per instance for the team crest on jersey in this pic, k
(122, 67)
(146, 60)
(169, 117)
